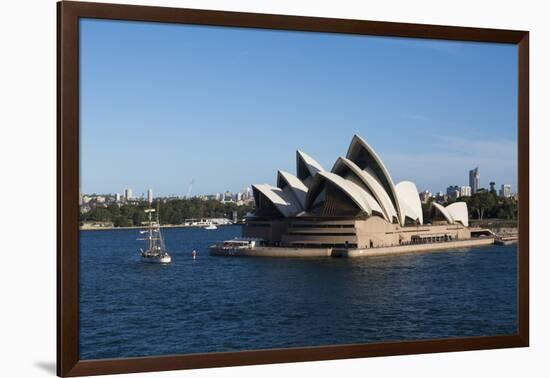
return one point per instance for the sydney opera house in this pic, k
(354, 205)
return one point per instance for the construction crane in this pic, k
(189, 189)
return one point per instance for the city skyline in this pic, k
(429, 106)
(145, 193)
(465, 191)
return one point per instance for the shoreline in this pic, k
(110, 228)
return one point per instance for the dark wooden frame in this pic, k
(68, 14)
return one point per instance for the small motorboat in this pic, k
(211, 227)
(234, 247)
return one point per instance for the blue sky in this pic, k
(164, 104)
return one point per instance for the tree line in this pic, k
(173, 211)
(481, 205)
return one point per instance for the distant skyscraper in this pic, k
(150, 196)
(492, 186)
(117, 197)
(128, 194)
(227, 196)
(453, 192)
(474, 179)
(465, 191)
(506, 191)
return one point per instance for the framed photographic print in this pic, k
(238, 188)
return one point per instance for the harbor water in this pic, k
(210, 304)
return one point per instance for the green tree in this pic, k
(173, 211)
(138, 217)
(427, 211)
(482, 203)
(122, 221)
(99, 214)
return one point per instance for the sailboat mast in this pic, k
(161, 241)
(150, 232)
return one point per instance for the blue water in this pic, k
(129, 308)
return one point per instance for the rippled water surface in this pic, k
(129, 308)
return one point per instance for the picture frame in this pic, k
(69, 13)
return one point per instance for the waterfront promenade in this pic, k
(297, 252)
(415, 248)
(88, 227)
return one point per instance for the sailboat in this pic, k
(155, 252)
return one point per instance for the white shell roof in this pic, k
(409, 200)
(455, 212)
(283, 201)
(444, 212)
(312, 165)
(369, 185)
(385, 180)
(372, 183)
(361, 197)
(299, 190)
(459, 212)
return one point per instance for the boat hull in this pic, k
(165, 259)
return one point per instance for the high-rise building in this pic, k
(453, 192)
(465, 191)
(506, 191)
(474, 179)
(492, 187)
(150, 196)
(128, 194)
(227, 196)
(117, 197)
